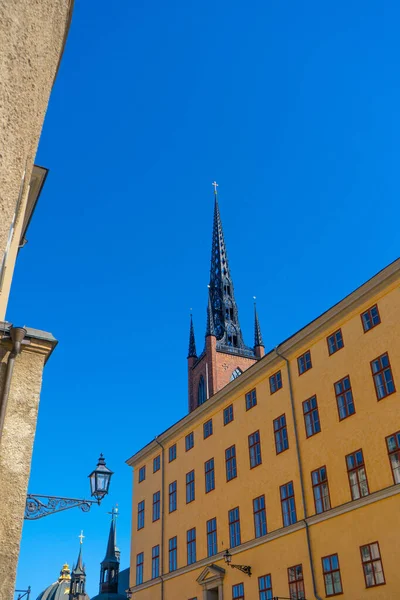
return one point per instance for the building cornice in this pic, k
(35, 341)
(388, 492)
(289, 347)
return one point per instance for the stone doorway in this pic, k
(211, 580)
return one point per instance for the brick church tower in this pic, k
(225, 355)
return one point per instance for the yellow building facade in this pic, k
(294, 466)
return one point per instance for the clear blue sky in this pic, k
(293, 107)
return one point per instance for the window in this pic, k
(172, 496)
(139, 568)
(140, 515)
(212, 546)
(230, 463)
(172, 453)
(189, 441)
(370, 318)
(201, 393)
(189, 487)
(156, 506)
(304, 362)
(265, 587)
(260, 517)
(207, 429)
(155, 562)
(251, 399)
(172, 553)
(156, 464)
(275, 382)
(393, 446)
(209, 475)
(357, 475)
(238, 591)
(319, 480)
(288, 504)
(191, 546)
(296, 583)
(228, 414)
(235, 374)
(280, 433)
(331, 570)
(372, 565)
(255, 449)
(335, 342)
(311, 416)
(142, 474)
(383, 378)
(234, 527)
(344, 398)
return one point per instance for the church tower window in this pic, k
(202, 391)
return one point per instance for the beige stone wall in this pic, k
(32, 37)
(15, 454)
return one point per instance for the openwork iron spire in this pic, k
(192, 342)
(258, 341)
(223, 305)
(210, 329)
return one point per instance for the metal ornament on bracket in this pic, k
(38, 506)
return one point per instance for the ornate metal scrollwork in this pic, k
(38, 506)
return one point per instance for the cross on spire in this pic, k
(114, 512)
(81, 536)
(215, 184)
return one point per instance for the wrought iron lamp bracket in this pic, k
(244, 568)
(38, 506)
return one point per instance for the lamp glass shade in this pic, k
(100, 479)
(227, 557)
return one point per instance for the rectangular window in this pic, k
(209, 475)
(288, 504)
(234, 527)
(265, 588)
(189, 487)
(238, 591)
(372, 565)
(311, 416)
(156, 464)
(370, 318)
(319, 480)
(207, 429)
(251, 399)
(172, 453)
(280, 433)
(296, 582)
(230, 463)
(275, 382)
(304, 362)
(383, 378)
(335, 342)
(142, 474)
(228, 414)
(155, 562)
(344, 398)
(260, 516)
(173, 554)
(212, 546)
(172, 496)
(191, 546)
(357, 475)
(156, 506)
(140, 515)
(255, 449)
(393, 446)
(139, 568)
(331, 570)
(189, 441)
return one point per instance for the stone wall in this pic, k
(32, 38)
(16, 444)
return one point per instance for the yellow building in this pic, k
(293, 465)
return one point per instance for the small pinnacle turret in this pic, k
(258, 341)
(192, 353)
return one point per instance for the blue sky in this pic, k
(294, 109)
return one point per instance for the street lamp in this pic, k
(38, 506)
(228, 559)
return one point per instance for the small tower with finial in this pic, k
(78, 576)
(259, 349)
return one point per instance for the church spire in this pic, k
(258, 341)
(110, 564)
(222, 299)
(192, 342)
(78, 576)
(210, 329)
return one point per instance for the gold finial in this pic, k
(65, 573)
